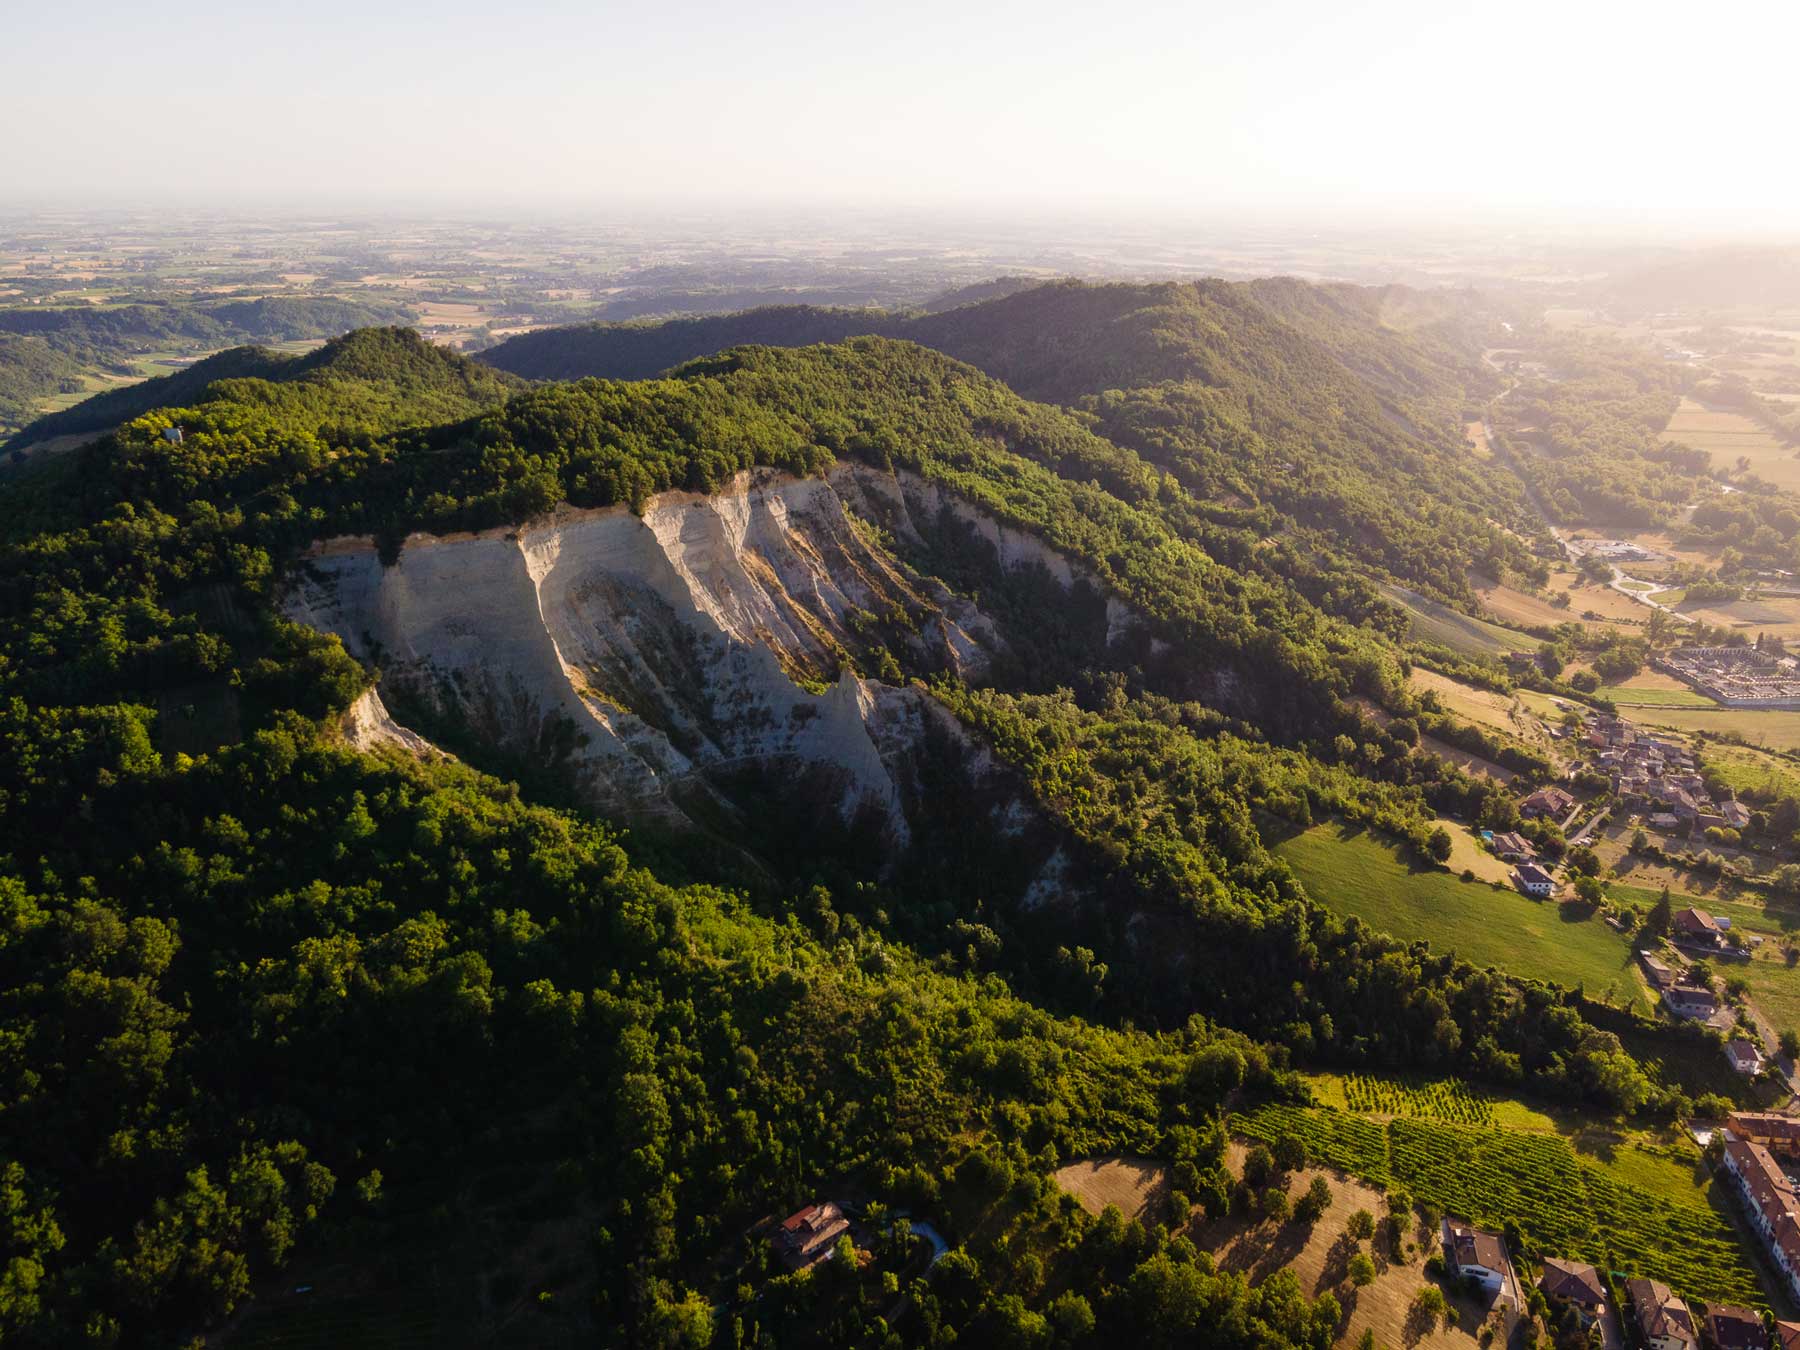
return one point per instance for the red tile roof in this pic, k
(1660, 1314)
(1574, 1281)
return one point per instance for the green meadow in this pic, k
(1354, 871)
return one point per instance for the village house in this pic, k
(1657, 971)
(1513, 847)
(1476, 1254)
(1745, 1057)
(1697, 928)
(1691, 1001)
(1736, 814)
(1547, 801)
(1787, 1336)
(1729, 1327)
(1534, 880)
(809, 1236)
(1663, 1320)
(1574, 1284)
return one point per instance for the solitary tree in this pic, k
(1315, 1202)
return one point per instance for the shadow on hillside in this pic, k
(1597, 1141)
(1257, 1252)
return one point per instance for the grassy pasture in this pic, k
(1355, 872)
(1135, 1185)
(1753, 773)
(1482, 706)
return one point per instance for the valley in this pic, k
(994, 762)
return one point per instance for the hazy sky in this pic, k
(1637, 109)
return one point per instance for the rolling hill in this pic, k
(1324, 415)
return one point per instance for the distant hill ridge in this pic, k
(386, 360)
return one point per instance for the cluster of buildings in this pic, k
(1697, 932)
(1530, 875)
(1663, 1321)
(1658, 776)
(1738, 677)
(1615, 550)
(1754, 1143)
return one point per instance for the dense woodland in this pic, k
(1326, 418)
(267, 1000)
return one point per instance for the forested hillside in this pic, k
(1327, 416)
(267, 320)
(46, 351)
(268, 1000)
(32, 370)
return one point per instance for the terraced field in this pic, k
(1433, 621)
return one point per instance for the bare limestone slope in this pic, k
(652, 657)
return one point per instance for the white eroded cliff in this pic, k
(654, 654)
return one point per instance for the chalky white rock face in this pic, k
(651, 652)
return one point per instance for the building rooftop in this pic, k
(1574, 1281)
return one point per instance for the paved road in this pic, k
(1771, 1037)
(1586, 833)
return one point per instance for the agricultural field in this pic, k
(348, 1322)
(1337, 1138)
(1524, 609)
(1484, 707)
(1475, 433)
(1447, 1099)
(1355, 872)
(1775, 728)
(1655, 1218)
(1469, 764)
(1433, 621)
(1637, 1204)
(1729, 437)
(1509, 714)
(1653, 689)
